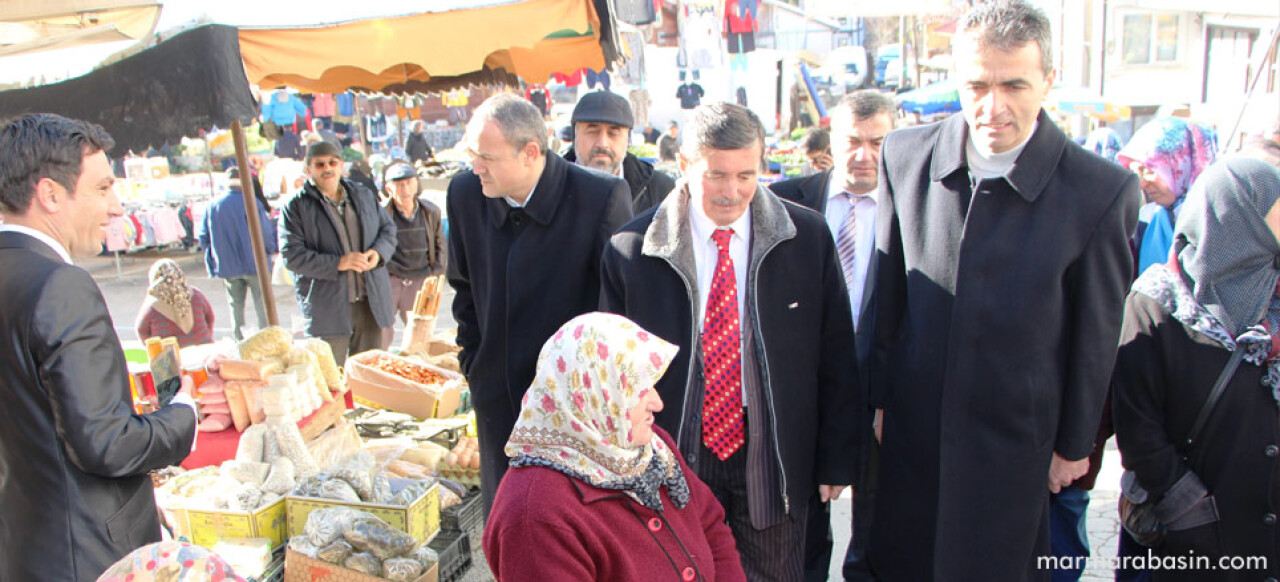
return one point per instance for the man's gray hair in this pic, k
(1008, 25)
(866, 104)
(721, 126)
(519, 121)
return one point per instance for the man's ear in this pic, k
(531, 151)
(683, 161)
(49, 195)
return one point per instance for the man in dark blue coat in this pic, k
(1004, 264)
(228, 254)
(337, 240)
(761, 396)
(526, 231)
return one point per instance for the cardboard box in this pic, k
(300, 568)
(384, 390)
(420, 519)
(205, 527)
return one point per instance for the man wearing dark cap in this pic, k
(602, 124)
(337, 241)
(420, 250)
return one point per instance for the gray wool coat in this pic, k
(996, 329)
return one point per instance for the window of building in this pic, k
(1150, 38)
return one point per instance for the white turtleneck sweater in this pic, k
(992, 165)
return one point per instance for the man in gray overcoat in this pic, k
(1003, 266)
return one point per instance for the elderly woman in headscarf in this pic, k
(596, 491)
(173, 308)
(1167, 154)
(1184, 320)
(170, 562)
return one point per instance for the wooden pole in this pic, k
(255, 228)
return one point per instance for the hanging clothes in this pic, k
(700, 28)
(345, 108)
(324, 105)
(690, 95)
(601, 78)
(570, 80)
(640, 103)
(740, 25)
(118, 234)
(633, 71)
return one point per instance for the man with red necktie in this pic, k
(761, 396)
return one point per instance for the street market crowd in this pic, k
(674, 378)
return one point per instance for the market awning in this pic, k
(177, 88)
(530, 38)
(28, 26)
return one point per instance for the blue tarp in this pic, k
(940, 97)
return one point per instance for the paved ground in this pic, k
(1102, 522)
(124, 287)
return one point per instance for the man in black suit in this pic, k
(846, 195)
(762, 394)
(526, 232)
(74, 491)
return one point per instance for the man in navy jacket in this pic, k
(526, 231)
(228, 254)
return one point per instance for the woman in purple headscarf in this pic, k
(1168, 155)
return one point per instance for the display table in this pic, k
(213, 448)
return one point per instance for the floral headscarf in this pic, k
(574, 420)
(1105, 142)
(170, 562)
(170, 294)
(1177, 150)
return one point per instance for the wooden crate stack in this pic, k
(422, 319)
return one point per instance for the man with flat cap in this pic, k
(337, 241)
(602, 124)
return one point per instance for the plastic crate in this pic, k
(466, 516)
(454, 549)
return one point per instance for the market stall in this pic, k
(288, 476)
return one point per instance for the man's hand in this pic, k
(829, 492)
(877, 424)
(187, 386)
(353, 262)
(1062, 472)
(372, 258)
(823, 162)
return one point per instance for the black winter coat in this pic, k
(311, 249)
(1164, 372)
(519, 274)
(996, 330)
(75, 495)
(803, 334)
(417, 148)
(649, 187)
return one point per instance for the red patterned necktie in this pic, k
(722, 422)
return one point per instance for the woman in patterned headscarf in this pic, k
(173, 308)
(1167, 154)
(596, 491)
(1216, 296)
(170, 562)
